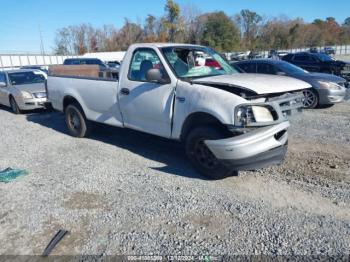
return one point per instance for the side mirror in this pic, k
(3, 84)
(155, 75)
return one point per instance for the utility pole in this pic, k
(42, 49)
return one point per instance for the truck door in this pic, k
(146, 106)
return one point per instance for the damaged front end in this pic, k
(266, 111)
(260, 135)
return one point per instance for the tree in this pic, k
(172, 19)
(63, 42)
(130, 33)
(345, 34)
(215, 29)
(194, 23)
(220, 32)
(249, 22)
(346, 22)
(149, 29)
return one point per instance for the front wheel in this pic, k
(14, 106)
(310, 98)
(200, 155)
(78, 125)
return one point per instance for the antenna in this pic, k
(42, 49)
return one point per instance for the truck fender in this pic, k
(69, 98)
(201, 118)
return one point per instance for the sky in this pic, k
(22, 20)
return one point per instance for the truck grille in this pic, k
(288, 104)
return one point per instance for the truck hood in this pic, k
(31, 88)
(258, 83)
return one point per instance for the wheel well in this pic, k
(200, 119)
(69, 100)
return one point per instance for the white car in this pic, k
(227, 121)
(23, 89)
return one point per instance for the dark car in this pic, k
(85, 61)
(313, 50)
(41, 68)
(254, 55)
(329, 50)
(319, 62)
(326, 89)
(115, 65)
(112, 71)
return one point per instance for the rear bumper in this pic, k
(327, 96)
(256, 149)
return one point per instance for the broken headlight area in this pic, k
(274, 110)
(254, 114)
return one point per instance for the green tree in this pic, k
(345, 34)
(220, 32)
(172, 19)
(149, 28)
(129, 34)
(250, 22)
(346, 22)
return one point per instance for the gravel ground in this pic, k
(123, 192)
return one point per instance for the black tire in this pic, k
(311, 99)
(77, 124)
(200, 155)
(325, 106)
(14, 106)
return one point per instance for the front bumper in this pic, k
(328, 96)
(256, 149)
(33, 103)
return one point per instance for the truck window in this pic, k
(196, 62)
(142, 61)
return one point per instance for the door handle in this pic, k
(125, 91)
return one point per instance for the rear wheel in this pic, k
(14, 106)
(78, 125)
(310, 98)
(200, 155)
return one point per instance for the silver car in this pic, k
(326, 89)
(23, 89)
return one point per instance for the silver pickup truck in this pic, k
(228, 121)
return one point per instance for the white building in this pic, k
(107, 56)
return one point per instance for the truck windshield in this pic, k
(196, 62)
(23, 78)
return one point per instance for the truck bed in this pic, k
(97, 96)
